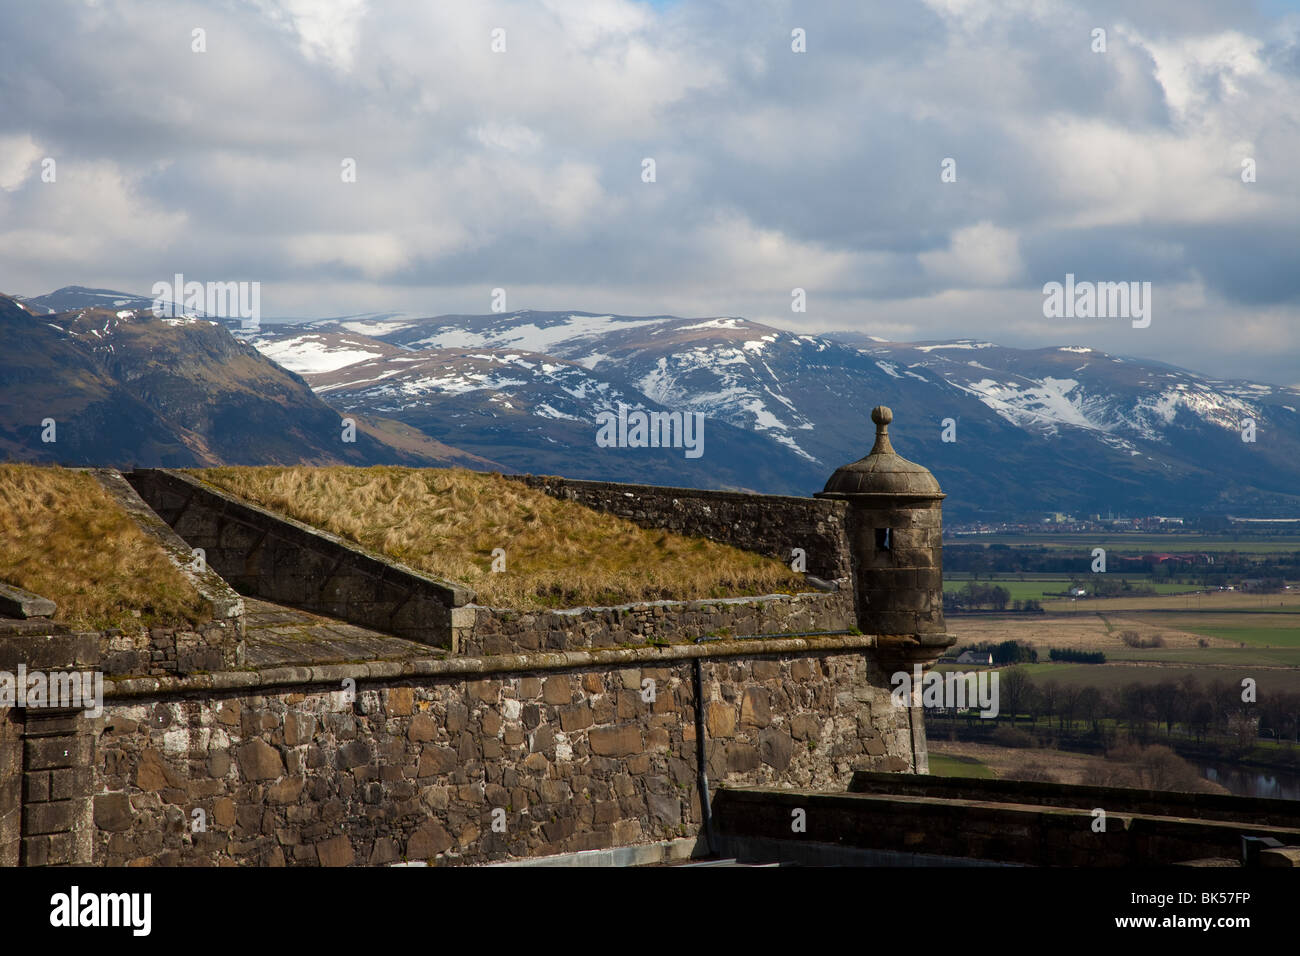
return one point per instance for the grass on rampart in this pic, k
(64, 538)
(446, 522)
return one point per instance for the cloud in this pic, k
(776, 169)
(978, 255)
(18, 154)
(327, 30)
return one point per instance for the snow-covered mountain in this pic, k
(1008, 432)
(1061, 429)
(106, 385)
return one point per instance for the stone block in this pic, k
(428, 841)
(258, 760)
(436, 760)
(336, 851)
(615, 741)
(399, 701)
(422, 728)
(575, 717)
(720, 718)
(775, 748)
(742, 757)
(557, 690)
(755, 711)
(15, 602)
(112, 812)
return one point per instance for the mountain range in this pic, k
(1008, 432)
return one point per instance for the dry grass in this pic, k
(447, 522)
(1082, 632)
(1124, 767)
(64, 538)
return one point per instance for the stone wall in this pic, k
(768, 524)
(172, 650)
(480, 630)
(942, 820)
(45, 753)
(11, 786)
(156, 651)
(574, 759)
(272, 557)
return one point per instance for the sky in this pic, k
(524, 169)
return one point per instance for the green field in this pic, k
(1210, 656)
(1040, 587)
(1258, 627)
(952, 766)
(1111, 676)
(1261, 636)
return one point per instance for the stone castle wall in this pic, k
(577, 759)
(481, 630)
(539, 715)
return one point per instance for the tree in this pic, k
(1015, 688)
(1090, 707)
(1049, 697)
(1135, 705)
(1167, 704)
(1201, 716)
(1069, 706)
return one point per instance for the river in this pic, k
(1253, 782)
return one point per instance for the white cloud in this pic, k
(18, 154)
(327, 30)
(775, 170)
(978, 255)
(509, 137)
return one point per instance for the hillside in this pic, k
(125, 388)
(1063, 429)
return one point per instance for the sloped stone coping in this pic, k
(453, 593)
(24, 605)
(223, 600)
(274, 557)
(371, 671)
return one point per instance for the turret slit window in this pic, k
(883, 539)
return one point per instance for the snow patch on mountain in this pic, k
(530, 336)
(1153, 414)
(724, 322)
(312, 353)
(1043, 405)
(956, 345)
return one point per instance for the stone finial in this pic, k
(882, 415)
(883, 471)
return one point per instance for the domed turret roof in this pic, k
(883, 471)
